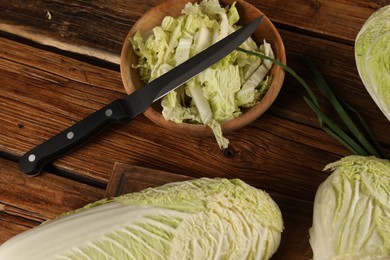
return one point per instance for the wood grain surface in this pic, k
(59, 62)
(25, 202)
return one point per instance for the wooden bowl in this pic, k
(248, 12)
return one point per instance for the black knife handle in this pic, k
(33, 161)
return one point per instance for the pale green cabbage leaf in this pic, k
(197, 219)
(351, 218)
(220, 92)
(372, 55)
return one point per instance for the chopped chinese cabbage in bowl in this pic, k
(225, 97)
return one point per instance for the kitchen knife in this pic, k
(123, 110)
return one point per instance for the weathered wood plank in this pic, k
(338, 20)
(45, 103)
(98, 28)
(25, 202)
(54, 91)
(11, 225)
(94, 28)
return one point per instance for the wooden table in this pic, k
(59, 62)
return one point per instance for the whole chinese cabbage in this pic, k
(197, 219)
(372, 54)
(351, 217)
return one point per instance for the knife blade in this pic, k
(123, 110)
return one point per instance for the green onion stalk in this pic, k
(360, 139)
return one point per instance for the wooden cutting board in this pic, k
(296, 214)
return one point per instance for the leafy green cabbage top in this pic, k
(372, 54)
(351, 217)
